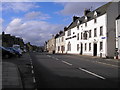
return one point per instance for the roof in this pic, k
(60, 35)
(100, 11)
(118, 17)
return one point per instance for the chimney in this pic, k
(75, 18)
(86, 11)
(60, 32)
(3, 33)
(65, 28)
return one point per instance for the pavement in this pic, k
(17, 73)
(11, 76)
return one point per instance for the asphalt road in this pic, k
(73, 71)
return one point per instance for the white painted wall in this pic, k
(60, 43)
(73, 41)
(118, 36)
(101, 21)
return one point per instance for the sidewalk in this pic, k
(11, 76)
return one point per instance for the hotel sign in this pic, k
(103, 37)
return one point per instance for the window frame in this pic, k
(101, 29)
(101, 46)
(95, 32)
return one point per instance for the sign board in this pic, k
(103, 37)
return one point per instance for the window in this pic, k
(81, 35)
(89, 33)
(101, 46)
(62, 48)
(85, 35)
(69, 46)
(78, 36)
(69, 32)
(77, 47)
(58, 48)
(101, 30)
(89, 46)
(95, 32)
(85, 46)
(77, 27)
(95, 20)
(59, 39)
(62, 39)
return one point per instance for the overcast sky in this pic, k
(36, 22)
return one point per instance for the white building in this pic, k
(94, 33)
(118, 36)
(60, 43)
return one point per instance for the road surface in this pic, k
(73, 71)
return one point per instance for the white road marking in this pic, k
(57, 59)
(32, 67)
(34, 80)
(92, 73)
(67, 63)
(32, 72)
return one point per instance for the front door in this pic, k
(95, 49)
(81, 50)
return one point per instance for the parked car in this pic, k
(17, 47)
(17, 52)
(6, 53)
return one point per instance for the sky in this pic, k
(36, 22)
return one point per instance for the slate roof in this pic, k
(118, 17)
(60, 35)
(100, 11)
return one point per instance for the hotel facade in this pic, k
(94, 33)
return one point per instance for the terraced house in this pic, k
(60, 42)
(94, 33)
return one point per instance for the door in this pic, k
(95, 49)
(81, 50)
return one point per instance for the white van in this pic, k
(17, 47)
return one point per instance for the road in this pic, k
(73, 71)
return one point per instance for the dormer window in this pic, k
(78, 22)
(86, 18)
(95, 14)
(95, 17)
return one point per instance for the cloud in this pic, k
(18, 6)
(77, 8)
(37, 15)
(36, 32)
(1, 22)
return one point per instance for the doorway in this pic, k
(81, 50)
(95, 49)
